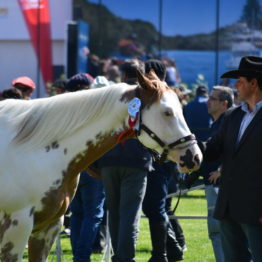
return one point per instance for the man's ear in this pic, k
(225, 103)
(254, 82)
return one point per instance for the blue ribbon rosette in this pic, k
(134, 110)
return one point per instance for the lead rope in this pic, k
(178, 199)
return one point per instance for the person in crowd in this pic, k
(87, 205)
(100, 240)
(184, 95)
(124, 174)
(79, 82)
(26, 85)
(100, 81)
(236, 100)
(196, 114)
(239, 143)
(172, 74)
(113, 74)
(165, 247)
(220, 100)
(11, 93)
(93, 65)
(58, 86)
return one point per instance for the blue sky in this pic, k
(183, 17)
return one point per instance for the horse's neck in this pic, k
(94, 139)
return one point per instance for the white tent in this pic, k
(17, 56)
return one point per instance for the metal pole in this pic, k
(38, 51)
(217, 41)
(160, 27)
(100, 43)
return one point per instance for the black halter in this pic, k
(161, 158)
(166, 147)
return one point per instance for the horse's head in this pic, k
(163, 127)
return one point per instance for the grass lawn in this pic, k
(195, 229)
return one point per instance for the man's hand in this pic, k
(214, 176)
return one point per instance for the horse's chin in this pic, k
(186, 170)
(192, 164)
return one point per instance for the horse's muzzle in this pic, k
(190, 161)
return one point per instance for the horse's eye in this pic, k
(168, 113)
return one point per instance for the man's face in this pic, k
(214, 104)
(244, 89)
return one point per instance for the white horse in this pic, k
(45, 143)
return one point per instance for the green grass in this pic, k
(195, 230)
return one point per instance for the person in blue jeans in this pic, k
(165, 247)
(124, 174)
(87, 214)
(87, 205)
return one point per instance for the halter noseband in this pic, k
(166, 147)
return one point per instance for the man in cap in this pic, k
(239, 144)
(25, 84)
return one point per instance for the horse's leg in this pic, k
(15, 229)
(41, 242)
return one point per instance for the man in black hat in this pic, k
(239, 143)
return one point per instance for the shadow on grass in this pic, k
(192, 197)
(143, 250)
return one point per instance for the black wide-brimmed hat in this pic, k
(249, 66)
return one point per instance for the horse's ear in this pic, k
(153, 74)
(142, 79)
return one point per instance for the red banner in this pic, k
(37, 17)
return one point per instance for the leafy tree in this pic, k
(251, 14)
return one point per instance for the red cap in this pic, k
(24, 80)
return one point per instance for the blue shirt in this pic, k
(197, 118)
(248, 117)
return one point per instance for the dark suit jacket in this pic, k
(240, 195)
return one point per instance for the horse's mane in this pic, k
(46, 120)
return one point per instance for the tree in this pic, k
(251, 14)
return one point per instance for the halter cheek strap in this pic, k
(161, 158)
(162, 143)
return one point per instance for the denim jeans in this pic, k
(154, 203)
(241, 242)
(87, 213)
(213, 224)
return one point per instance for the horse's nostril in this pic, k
(197, 159)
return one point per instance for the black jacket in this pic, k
(240, 195)
(131, 154)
